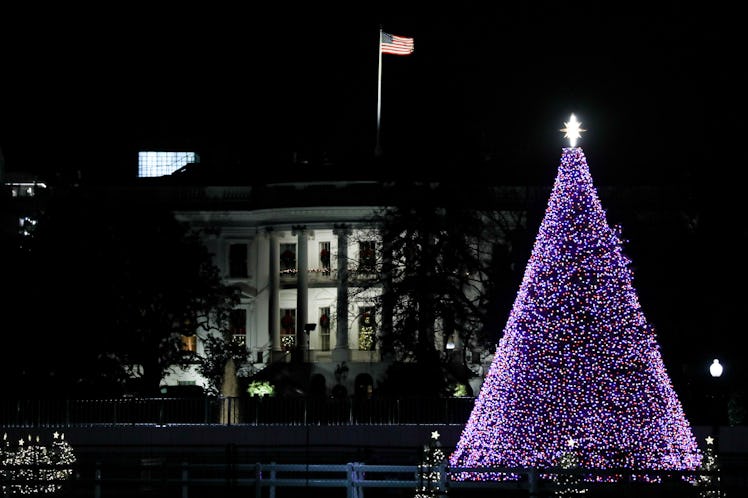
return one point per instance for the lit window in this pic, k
(189, 343)
(366, 256)
(288, 258)
(153, 163)
(25, 189)
(324, 328)
(366, 329)
(324, 255)
(26, 226)
(238, 324)
(288, 329)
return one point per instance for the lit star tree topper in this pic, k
(577, 360)
(573, 130)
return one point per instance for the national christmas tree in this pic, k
(578, 359)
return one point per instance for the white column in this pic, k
(388, 302)
(273, 296)
(302, 290)
(341, 351)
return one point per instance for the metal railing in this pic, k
(230, 411)
(155, 477)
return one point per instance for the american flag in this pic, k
(397, 45)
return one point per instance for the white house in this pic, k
(295, 267)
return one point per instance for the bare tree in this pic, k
(442, 274)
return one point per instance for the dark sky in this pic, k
(661, 89)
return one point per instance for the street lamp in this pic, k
(715, 370)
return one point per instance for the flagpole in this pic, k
(378, 148)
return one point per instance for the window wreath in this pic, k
(324, 321)
(288, 259)
(287, 321)
(367, 253)
(324, 258)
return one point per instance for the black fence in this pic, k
(229, 411)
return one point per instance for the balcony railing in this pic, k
(323, 275)
(314, 276)
(229, 411)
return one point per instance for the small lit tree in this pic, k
(431, 468)
(33, 468)
(710, 481)
(569, 483)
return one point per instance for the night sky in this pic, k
(661, 89)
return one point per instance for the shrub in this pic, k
(261, 388)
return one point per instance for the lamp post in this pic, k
(715, 370)
(309, 327)
(450, 346)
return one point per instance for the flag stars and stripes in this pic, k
(397, 45)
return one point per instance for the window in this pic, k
(366, 329)
(475, 357)
(189, 343)
(26, 226)
(24, 189)
(238, 261)
(324, 255)
(238, 326)
(161, 163)
(288, 258)
(366, 256)
(324, 329)
(288, 329)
